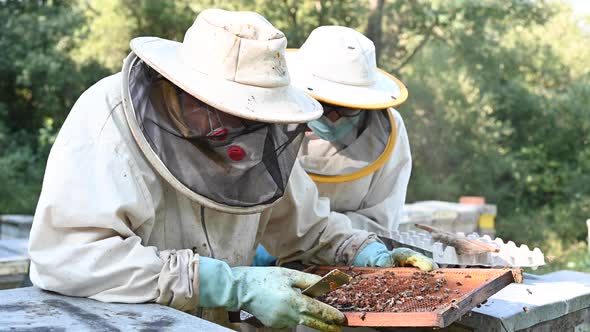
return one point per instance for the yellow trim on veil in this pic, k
(371, 168)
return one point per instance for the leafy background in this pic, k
(500, 94)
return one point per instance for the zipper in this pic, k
(204, 224)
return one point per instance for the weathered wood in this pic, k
(550, 297)
(480, 295)
(14, 267)
(15, 226)
(14, 263)
(30, 309)
(578, 321)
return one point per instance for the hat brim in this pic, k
(387, 91)
(284, 104)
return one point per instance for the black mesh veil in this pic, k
(229, 160)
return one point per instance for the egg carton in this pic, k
(510, 255)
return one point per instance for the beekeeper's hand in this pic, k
(272, 294)
(376, 254)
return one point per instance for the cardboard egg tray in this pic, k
(509, 253)
(467, 289)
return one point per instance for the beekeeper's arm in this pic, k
(94, 209)
(302, 227)
(382, 206)
(83, 244)
(84, 240)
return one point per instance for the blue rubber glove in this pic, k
(272, 294)
(263, 258)
(376, 254)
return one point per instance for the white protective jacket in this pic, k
(108, 227)
(374, 202)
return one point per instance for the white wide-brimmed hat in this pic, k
(337, 65)
(235, 62)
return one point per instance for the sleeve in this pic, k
(382, 206)
(83, 241)
(302, 227)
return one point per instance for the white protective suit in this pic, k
(109, 227)
(374, 202)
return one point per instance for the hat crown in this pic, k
(340, 54)
(242, 47)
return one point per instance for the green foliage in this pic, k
(38, 78)
(39, 85)
(499, 93)
(113, 23)
(576, 257)
(298, 18)
(506, 118)
(21, 173)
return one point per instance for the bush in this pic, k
(21, 174)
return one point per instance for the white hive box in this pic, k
(451, 217)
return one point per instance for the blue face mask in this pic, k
(333, 131)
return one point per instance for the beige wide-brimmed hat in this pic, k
(337, 65)
(235, 62)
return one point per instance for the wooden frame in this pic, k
(483, 283)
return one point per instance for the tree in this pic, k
(497, 109)
(374, 27)
(499, 91)
(38, 78)
(38, 87)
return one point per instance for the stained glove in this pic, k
(376, 254)
(272, 294)
(263, 258)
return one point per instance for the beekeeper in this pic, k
(358, 152)
(164, 178)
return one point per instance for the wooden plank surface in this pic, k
(13, 257)
(14, 262)
(31, 309)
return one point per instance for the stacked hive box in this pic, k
(14, 259)
(451, 217)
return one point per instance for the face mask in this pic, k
(333, 131)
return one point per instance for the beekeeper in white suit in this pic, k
(358, 152)
(162, 182)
